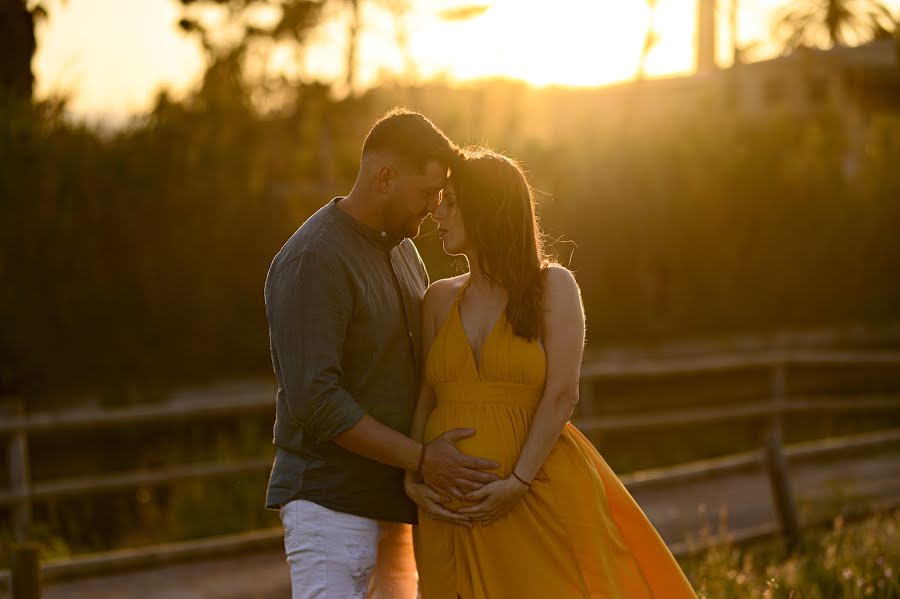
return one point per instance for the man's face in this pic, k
(415, 195)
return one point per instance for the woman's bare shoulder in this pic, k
(559, 281)
(440, 295)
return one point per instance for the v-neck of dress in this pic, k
(478, 362)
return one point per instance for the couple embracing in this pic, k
(443, 405)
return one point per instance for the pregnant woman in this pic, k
(503, 346)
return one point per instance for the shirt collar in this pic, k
(381, 239)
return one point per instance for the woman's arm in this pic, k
(563, 333)
(563, 336)
(433, 471)
(426, 402)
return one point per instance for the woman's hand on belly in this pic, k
(432, 501)
(494, 500)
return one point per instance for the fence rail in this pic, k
(228, 402)
(704, 364)
(86, 485)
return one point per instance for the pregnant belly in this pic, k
(500, 430)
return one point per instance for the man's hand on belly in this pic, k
(452, 472)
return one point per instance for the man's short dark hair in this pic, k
(412, 137)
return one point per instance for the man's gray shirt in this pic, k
(344, 308)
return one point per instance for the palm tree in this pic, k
(837, 22)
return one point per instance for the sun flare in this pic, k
(572, 42)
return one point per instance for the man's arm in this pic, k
(309, 309)
(381, 443)
(309, 312)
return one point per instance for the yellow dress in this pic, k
(576, 533)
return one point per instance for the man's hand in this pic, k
(431, 501)
(452, 472)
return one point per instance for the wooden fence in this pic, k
(16, 426)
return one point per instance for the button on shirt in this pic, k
(344, 308)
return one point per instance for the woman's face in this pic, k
(451, 229)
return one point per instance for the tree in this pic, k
(17, 22)
(297, 19)
(294, 21)
(828, 23)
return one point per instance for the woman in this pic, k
(503, 346)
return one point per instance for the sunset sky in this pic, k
(112, 56)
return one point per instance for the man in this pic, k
(343, 300)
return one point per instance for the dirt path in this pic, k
(676, 512)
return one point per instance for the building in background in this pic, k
(856, 82)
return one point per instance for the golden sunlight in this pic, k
(578, 44)
(574, 43)
(117, 70)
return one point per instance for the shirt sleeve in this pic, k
(309, 309)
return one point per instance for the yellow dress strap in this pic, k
(462, 289)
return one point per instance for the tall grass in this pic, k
(848, 560)
(137, 257)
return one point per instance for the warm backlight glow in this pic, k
(112, 56)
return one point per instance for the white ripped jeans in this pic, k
(333, 555)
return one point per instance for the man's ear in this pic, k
(384, 178)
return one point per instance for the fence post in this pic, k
(785, 509)
(19, 468)
(778, 397)
(776, 465)
(26, 571)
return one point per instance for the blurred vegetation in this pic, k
(851, 559)
(147, 515)
(186, 510)
(835, 22)
(137, 256)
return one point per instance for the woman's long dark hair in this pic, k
(497, 207)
